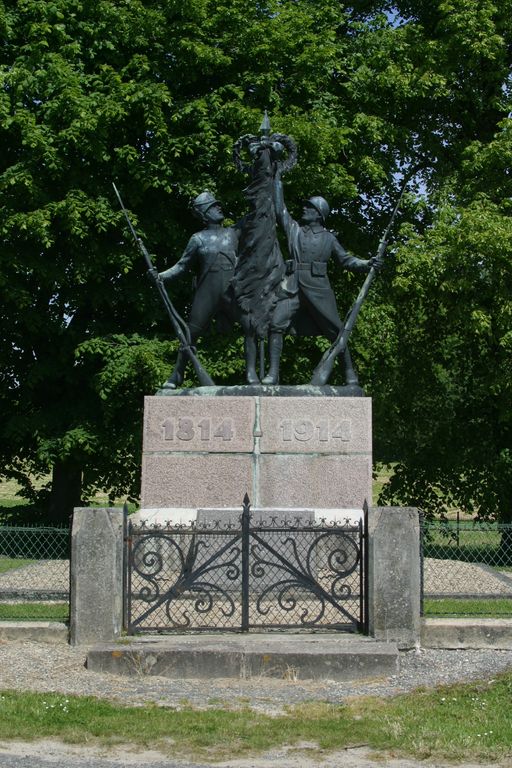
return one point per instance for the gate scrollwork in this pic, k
(260, 574)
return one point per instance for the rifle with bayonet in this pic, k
(324, 368)
(179, 326)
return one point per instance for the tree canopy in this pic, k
(452, 319)
(152, 94)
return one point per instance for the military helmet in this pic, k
(321, 205)
(204, 201)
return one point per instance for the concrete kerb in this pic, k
(447, 634)
(36, 631)
(468, 633)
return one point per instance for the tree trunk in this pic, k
(66, 491)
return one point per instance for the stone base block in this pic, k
(208, 451)
(289, 657)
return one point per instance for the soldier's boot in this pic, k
(350, 375)
(250, 350)
(175, 380)
(275, 347)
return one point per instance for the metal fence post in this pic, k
(246, 521)
(363, 572)
(422, 560)
(126, 567)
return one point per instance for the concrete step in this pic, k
(38, 631)
(283, 656)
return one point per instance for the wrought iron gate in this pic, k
(246, 574)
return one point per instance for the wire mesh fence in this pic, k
(467, 568)
(34, 573)
(467, 571)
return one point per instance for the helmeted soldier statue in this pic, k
(211, 254)
(311, 246)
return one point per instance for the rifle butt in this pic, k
(324, 368)
(204, 378)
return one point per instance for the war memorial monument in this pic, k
(256, 498)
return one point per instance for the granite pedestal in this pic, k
(301, 451)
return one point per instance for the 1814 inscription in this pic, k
(206, 429)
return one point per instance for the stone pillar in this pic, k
(96, 613)
(394, 575)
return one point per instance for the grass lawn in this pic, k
(432, 608)
(470, 607)
(34, 611)
(464, 722)
(11, 563)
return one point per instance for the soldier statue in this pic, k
(241, 273)
(211, 254)
(310, 246)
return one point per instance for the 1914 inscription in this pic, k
(185, 429)
(323, 430)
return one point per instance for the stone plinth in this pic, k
(208, 451)
(96, 610)
(394, 572)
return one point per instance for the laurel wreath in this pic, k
(244, 141)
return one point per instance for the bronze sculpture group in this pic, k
(242, 275)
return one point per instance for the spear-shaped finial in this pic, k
(265, 125)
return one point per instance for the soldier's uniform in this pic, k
(310, 247)
(211, 255)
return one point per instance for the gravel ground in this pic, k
(454, 577)
(41, 576)
(441, 577)
(51, 754)
(32, 666)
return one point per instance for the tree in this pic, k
(439, 367)
(452, 423)
(75, 105)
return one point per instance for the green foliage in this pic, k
(452, 426)
(152, 95)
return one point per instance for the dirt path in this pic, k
(48, 753)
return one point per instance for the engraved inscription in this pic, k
(323, 431)
(185, 429)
